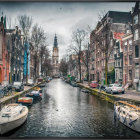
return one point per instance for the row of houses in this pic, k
(115, 44)
(16, 55)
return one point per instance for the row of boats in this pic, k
(15, 114)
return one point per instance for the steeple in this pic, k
(55, 42)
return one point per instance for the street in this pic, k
(65, 111)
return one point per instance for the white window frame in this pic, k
(135, 19)
(136, 34)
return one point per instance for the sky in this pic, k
(61, 18)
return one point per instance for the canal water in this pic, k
(66, 111)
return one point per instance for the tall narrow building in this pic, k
(55, 57)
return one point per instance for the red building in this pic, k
(4, 58)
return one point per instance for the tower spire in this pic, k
(55, 42)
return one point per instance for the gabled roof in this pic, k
(136, 6)
(119, 17)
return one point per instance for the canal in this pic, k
(66, 111)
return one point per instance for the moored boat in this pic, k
(128, 114)
(35, 94)
(38, 89)
(12, 116)
(25, 100)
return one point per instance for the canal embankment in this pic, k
(112, 98)
(15, 95)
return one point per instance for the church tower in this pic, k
(55, 57)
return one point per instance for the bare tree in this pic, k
(44, 55)
(25, 23)
(78, 38)
(86, 55)
(47, 67)
(38, 39)
(63, 67)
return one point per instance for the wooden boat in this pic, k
(25, 100)
(12, 116)
(35, 94)
(127, 114)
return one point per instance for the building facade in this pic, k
(136, 45)
(127, 58)
(4, 57)
(115, 21)
(15, 43)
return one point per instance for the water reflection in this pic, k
(65, 111)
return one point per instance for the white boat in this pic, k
(12, 116)
(128, 114)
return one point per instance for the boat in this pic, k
(35, 94)
(85, 90)
(12, 116)
(127, 114)
(39, 89)
(25, 100)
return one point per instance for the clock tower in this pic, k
(55, 57)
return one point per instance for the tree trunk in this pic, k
(79, 67)
(27, 69)
(106, 69)
(41, 67)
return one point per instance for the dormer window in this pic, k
(136, 19)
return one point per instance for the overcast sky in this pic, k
(62, 17)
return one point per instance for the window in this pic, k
(130, 44)
(125, 48)
(125, 60)
(136, 51)
(130, 74)
(136, 35)
(118, 63)
(125, 43)
(130, 59)
(136, 19)
(137, 71)
(121, 74)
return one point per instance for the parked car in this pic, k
(30, 82)
(94, 84)
(115, 88)
(18, 86)
(102, 87)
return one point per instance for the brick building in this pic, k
(136, 45)
(127, 58)
(117, 20)
(4, 58)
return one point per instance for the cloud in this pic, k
(62, 17)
